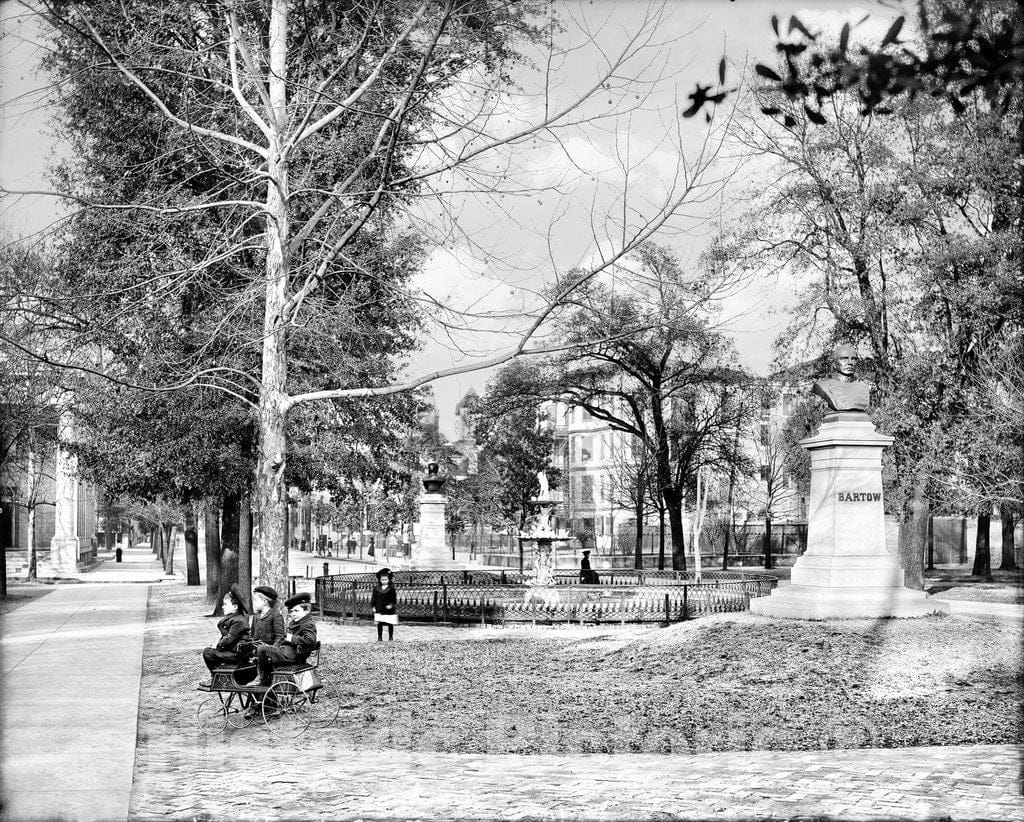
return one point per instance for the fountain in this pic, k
(540, 531)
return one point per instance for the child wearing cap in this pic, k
(296, 644)
(384, 603)
(266, 623)
(234, 630)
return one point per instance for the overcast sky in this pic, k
(523, 251)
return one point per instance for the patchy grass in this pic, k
(18, 593)
(734, 682)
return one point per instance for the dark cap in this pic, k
(239, 598)
(383, 572)
(586, 552)
(267, 591)
(299, 599)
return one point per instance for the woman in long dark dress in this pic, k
(384, 602)
(234, 630)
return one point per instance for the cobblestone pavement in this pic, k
(183, 780)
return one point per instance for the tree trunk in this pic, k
(154, 541)
(191, 548)
(674, 506)
(766, 541)
(306, 515)
(1008, 525)
(638, 538)
(661, 538)
(168, 530)
(245, 545)
(982, 549)
(913, 535)
(228, 548)
(212, 527)
(273, 445)
(33, 569)
(159, 532)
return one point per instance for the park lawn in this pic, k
(715, 684)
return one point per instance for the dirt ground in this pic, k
(733, 682)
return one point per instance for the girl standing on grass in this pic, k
(384, 602)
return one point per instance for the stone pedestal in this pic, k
(542, 581)
(64, 545)
(430, 551)
(847, 570)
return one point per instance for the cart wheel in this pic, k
(241, 710)
(324, 704)
(211, 716)
(287, 710)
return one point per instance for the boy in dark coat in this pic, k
(234, 631)
(266, 623)
(297, 642)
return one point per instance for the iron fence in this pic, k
(447, 596)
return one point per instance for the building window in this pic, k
(586, 490)
(586, 448)
(764, 473)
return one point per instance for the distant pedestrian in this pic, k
(588, 576)
(234, 631)
(384, 603)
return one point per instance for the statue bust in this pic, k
(843, 391)
(545, 489)
(433, 482)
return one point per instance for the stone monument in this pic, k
(65, 544)
(847, 571)
(430, 550)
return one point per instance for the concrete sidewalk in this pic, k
(71, 669)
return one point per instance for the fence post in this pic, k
(668, 614)
(327, 569)
(533, 610)
(435, 607)
(320, 588)
(622, 607)
(685, 609)
(483, 618)
(444, 594)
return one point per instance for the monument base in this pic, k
(64, 553)
(809, 602)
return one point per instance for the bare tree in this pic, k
(262, 93)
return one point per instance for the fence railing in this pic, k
(445, 597)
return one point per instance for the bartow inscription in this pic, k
(860, 496)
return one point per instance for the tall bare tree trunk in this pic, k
(661, 537)
(228, 548)
(306, 515)
(766, 543)
(191, 547)
(33, 569)
(1008, 525)
(211, 518)
(168, 530)
(273, 446)
(245, 545)
(982, 548)
(913, 536)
